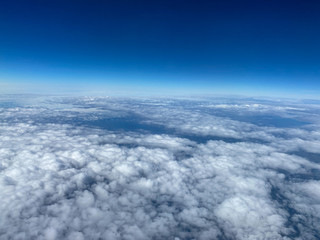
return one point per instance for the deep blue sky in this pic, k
(262, 47)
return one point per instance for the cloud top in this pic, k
(63, 177)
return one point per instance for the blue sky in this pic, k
(220, 47)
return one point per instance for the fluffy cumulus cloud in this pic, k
(107, 168)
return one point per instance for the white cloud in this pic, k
(60, 181)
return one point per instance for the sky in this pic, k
(219, 47)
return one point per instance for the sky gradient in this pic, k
(219, 47)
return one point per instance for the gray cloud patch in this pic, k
(81, 181)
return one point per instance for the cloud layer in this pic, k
(174, 169)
